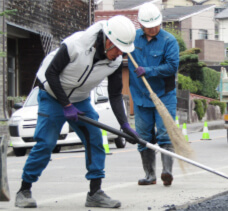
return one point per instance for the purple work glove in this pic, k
(127, 129)
(140, 71)
(71, 113)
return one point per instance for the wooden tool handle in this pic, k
(143, 78)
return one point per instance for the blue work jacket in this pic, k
(160, 58)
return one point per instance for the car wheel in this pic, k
(120, 142)
(19, 151)
(56, 149)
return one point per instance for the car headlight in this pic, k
(14, 120)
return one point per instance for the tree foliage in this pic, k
(177, 34)
(203, 81)
(199, 108)
(186, 83)
(210, 82)
(225, 63)
(222, 105)
(6, 13)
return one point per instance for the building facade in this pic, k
(185, 3)
(36, 28)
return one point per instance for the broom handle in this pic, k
(149, 145)
(143, 78)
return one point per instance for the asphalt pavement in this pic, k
(196, 189)
(191, 128)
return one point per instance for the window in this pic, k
(190, 34)
(203, 34)
(11, 76)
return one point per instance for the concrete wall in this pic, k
(212, 51)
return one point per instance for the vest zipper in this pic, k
(83, 73)
(80, 79)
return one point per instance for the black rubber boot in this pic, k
(167, 163)
(148, 161)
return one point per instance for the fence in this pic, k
(183, 106)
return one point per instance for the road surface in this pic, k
(63, 186)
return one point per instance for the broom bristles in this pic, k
(180, 145)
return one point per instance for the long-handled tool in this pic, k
(178, 140)
(149, 145)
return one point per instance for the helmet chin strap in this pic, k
(106, 50)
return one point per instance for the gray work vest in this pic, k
(80, 76)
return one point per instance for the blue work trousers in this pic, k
(49, 124)
(146, 118)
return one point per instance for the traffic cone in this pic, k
(205, 135)
(184, 131)
(177, 122)
(105, 142)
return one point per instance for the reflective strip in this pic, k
(151, 19)
(125, 43)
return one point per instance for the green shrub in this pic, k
(209, 79)
(190, 51)
(171, 28)
(17, 99)
(186, 83)
(188, 58)
(222, 105)
(199, 108)
(210, 82)
(225, 63)
(204, 105)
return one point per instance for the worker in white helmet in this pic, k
(157, 55)
(66, 77)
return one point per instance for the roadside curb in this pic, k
(191, 127)
(198, 127)
(10, 151)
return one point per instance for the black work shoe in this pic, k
(100, 199)
(167, 179)
(147, 181)
(24, 199)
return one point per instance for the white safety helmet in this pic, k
(149, 15)
(121, 31)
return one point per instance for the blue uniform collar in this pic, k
(141, 33)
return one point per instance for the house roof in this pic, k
(198, 2)
(105, 15)
(181, 13)
(223, 14)
(129, 4)
(170, 14)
